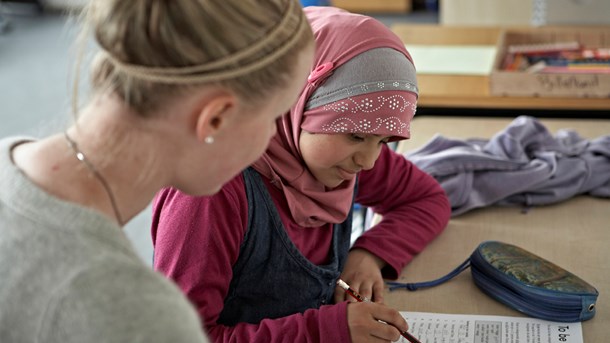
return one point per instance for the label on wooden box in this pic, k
(560, 85)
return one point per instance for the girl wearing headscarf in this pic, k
(260, 259)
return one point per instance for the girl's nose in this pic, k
(366, 158)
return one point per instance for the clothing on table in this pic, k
(524, 164)
(68, 274)
(201, 257)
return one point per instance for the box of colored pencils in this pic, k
(553, 61)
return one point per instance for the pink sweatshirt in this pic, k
(197, 241)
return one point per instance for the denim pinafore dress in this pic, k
(271, 278)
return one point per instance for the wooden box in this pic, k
(522, 83)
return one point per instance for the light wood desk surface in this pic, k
(465, 91)
(574, 234)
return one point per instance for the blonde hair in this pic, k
(155, 49)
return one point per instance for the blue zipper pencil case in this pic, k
(524, 282)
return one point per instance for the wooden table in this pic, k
(465, 91)
(574, 234)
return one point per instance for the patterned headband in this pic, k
(384, 113)
(351, 100)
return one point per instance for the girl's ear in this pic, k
(213, 115)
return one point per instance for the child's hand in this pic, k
(363, 273)
(364, 326)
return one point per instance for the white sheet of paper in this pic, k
(468, 328)
(453, 59)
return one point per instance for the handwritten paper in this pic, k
(453, 59)
(461, 328)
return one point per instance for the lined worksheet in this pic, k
(463, 328)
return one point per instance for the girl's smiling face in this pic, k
(335, 158)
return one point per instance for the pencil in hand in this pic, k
(360, 298)
(351, 292)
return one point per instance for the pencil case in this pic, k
(524, 282)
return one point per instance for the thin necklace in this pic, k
(81, 157)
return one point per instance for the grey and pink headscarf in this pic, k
(363, 81)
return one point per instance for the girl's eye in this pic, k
(356, 137)
(384, 141)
